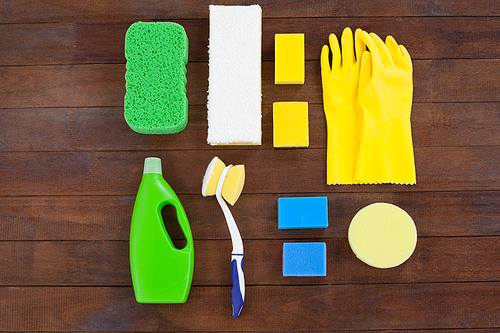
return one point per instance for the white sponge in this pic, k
(234, 77)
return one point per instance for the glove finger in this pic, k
(385, 55)
(407, 57)
(334, 46)
(366, 68)
(396, 54)
(347, 47)
(372, 46)
(360, 47)
(325, 62)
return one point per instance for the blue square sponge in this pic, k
(297, 213)
(304, 259)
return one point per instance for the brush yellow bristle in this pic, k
(212, 176)
(233, 184)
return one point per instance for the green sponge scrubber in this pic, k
(157, 54)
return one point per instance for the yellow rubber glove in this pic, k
(342, 112)
(385, 95)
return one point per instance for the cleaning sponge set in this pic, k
(367, 98)
(157, 54)
(303, 259)
(367, 94)
(381, 235)
(290, 119)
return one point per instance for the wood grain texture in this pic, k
(103, 129)
(97, 218)
(289, 308)
(292, 171)
(70, 168)
(94, 11)
(482, 330)
(104, 85)
(106, 263)
(104, 42)
(490, 330)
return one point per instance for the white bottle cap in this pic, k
(152, 165)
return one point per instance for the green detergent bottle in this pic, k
(161, 273)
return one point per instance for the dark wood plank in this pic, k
(29, 44)
(66, 218)
(100, 42)
(96, 218)
(101, 129)
(94, 129)
(267, 171)
(472, 330)
(294, 308)
(450, 124)
(96, 11)
(104, 85)
(106, 263)
(424, 37)
(57, 86)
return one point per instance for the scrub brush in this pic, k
(229, 183)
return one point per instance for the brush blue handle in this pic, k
(238, 290)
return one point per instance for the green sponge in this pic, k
(157, 54)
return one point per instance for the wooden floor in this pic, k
(70, 168)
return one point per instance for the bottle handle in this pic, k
(183, 222)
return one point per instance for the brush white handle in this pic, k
(237, 276)
(231, 224)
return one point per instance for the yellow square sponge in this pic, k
(290, 124)
(289, 59)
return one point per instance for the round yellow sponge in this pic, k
(382, 235)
